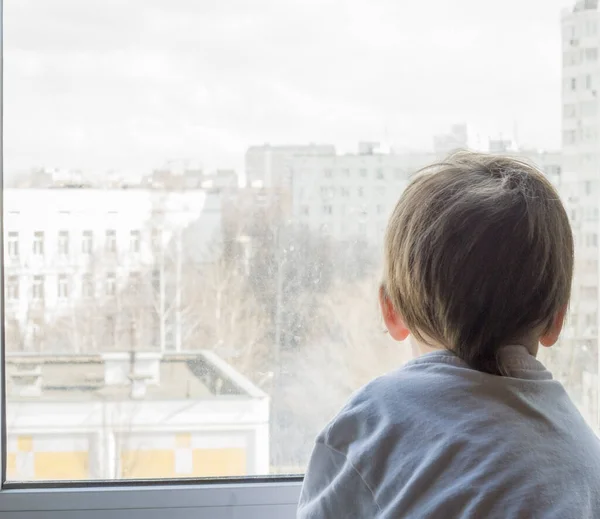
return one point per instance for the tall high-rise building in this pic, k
(580, 182)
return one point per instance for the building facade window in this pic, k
(13, 245)
(111, 284)
(111, 241)
(569, 111)
(135, 282)
(63, 243)
(37, 288)
(63, 286)
(134, 241)
(38, 243)
(87, 242)
(591, 54)
(12, 288)
(87, 286)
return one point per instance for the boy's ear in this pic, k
(393, 321)
(551, 336)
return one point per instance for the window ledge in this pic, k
(276, 500)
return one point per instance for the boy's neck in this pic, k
(419, 348)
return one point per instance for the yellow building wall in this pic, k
(11, 467)
(61, 466)
(45, 465)
(147, 464)
(144, 464)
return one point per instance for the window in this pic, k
(87, 286)
(111, 241)
(13, 245)
(589, 108)
(109, 331)
(111, 284)
(156, 239)
(135, 282)
(591, 240)
(38, 288)
(569, 137)
(591, 54)
(589, 293)
(63, 243)
(134, 241)
(327, 192)
(183, 304)
(12, 288)
(87, 242)
(63, 286)
(38, 243)
(569, 111)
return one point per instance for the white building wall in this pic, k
(128, 213)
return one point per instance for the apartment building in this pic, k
(581, 160)
(351, 196)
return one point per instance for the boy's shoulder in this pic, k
(394, 400)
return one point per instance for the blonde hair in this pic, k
(478, 252)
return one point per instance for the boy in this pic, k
(478, 268)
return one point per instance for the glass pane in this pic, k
(184, 300)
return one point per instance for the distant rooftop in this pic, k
(173, 376)
(586, 5)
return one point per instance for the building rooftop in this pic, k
(124, 376)
(586, 5)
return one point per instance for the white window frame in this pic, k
(63, 243)
(110, 241)
(38, 246)
(13, 244)
(211, 499)
(87, 242)
(135, 238)
(62, 286)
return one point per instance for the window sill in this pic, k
(276, 500)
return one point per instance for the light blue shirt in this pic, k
(436, 439)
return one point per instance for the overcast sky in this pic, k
(130, 84)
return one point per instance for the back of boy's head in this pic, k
(478, 252)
